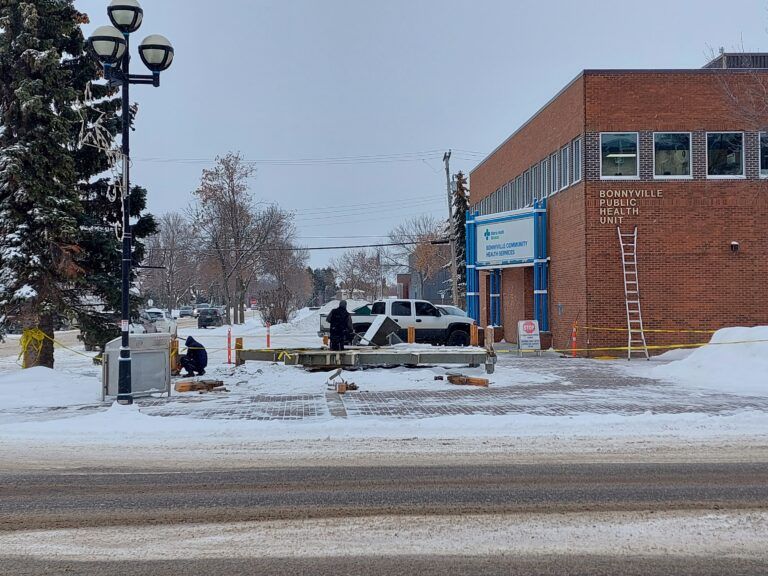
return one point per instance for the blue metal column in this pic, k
(541, 265)
(536, 264)
(473, 281)
(492, 297)
(499, 300)
(495, 312)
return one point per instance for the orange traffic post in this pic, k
(269, 339)
(411, 334)
(238, 348)
(474, 338)
(573, 339)
(229, 345)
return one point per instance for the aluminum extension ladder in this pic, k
(635, 335)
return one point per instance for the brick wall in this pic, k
(516, 299)
(689, 278)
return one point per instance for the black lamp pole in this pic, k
(157, 54)
(124, 390)
(124, 78)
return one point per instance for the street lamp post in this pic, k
(111, 45)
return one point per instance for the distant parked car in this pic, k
(450, 310)
(159, 319)
(199, 307)
(186, 312)
(209, 317)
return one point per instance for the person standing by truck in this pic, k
(341, 326)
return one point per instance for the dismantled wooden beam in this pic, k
(198, 385)
(462, 380)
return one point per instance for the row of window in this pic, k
(554, 173)
(672, 152)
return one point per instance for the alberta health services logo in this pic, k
(501, 249)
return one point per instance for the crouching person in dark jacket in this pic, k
(341, 326)
(196, 358)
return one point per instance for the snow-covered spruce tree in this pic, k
(96, 304)
(460, 207)
(39, 201)
(59, 255)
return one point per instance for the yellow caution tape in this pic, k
(35, 337)
(625, 348)
(657, 331)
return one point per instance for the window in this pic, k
(544, 174)
(378, 308)
(527, 188)
(426, 309)
(400, 308)
(564, 174)
(535, 181)
(618, 154)
(576, 147)
(725, 154)
(554, 178)
(519, 195)
(763, 154)
(672, 155)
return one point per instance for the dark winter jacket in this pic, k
(196, 352)
(341, 322)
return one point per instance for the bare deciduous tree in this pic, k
(358, 271)
(234, 228)
(173, 250)
(288, 283)
(418, 254)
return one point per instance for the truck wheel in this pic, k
(458, 338)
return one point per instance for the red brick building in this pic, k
(682, 155)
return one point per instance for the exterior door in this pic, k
(429, 325)
(402, 313)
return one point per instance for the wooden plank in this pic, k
(462, 380)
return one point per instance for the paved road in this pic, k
(145, 503)
(76, 500)
(400, 566)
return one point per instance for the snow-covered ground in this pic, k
(717, 534)
(735, 362)
(717, 393)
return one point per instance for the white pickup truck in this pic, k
(433, 325)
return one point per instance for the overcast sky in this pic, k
(382, 89)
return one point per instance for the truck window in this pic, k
(426, 309)
(400, 308)
(379, 308)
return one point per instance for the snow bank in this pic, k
(736, 361)
(43, 387)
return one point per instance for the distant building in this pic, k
(435, 289)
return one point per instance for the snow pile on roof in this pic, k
(736, 361)
(43, 387)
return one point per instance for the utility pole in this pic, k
(454, 271)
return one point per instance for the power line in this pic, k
(331, 160)
(298, 248)
(367, 205)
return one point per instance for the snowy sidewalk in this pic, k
(567, 387)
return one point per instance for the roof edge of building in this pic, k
(533, 116)
(589, 71)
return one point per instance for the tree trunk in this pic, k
(43, 356)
